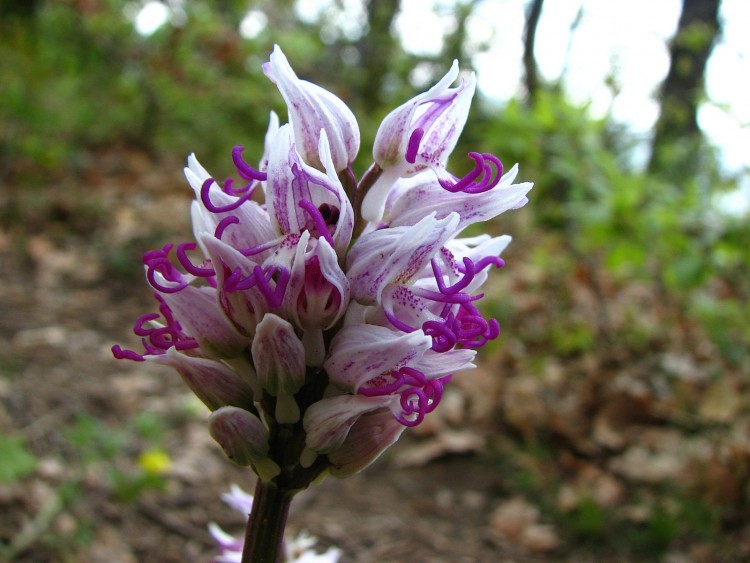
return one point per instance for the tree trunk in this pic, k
(376, 49)
(677, 136)
(531, 75)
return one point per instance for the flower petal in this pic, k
(300, 197)
(361, 352)
(312, 109)
(213, 383)
(318, 289)
(395, 255)
(199, 314)
(419, 134)
(392, 137)
(422, 194)
(435, 365)
(328, 421)
(370, 436)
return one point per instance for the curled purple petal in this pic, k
(413, 146)
(157, 262)
(318, 219)
(243, 168)
(206, 198)
(468, 272)
(121, 354)
(274, 296)
(487, 171)
(185, 262)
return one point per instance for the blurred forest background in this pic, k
(611, 420)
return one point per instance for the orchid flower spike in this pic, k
(316, 316)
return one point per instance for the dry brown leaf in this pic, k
(641, 464)
(540, 538)
(722, 401)
(513, 516)
(523, 406)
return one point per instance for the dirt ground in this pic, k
(64, 306)
(70, 288)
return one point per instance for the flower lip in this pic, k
(160, 270)
(185, 262)
(206, 198)
(157, 338)
(417, 394)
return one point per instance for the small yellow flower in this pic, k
(155, 461)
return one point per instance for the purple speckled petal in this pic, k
(395, 131)
(421, 195)
(312, 109)
(361, 352)
(318, 291)
(328, 421)
(395, 255)
(198, 311)
(419, 134)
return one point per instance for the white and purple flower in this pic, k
(300, 549)
(319, 324)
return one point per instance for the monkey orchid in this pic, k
(319, 324)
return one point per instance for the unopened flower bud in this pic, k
(244, 439)
(370, 436)
(279, 356)
(328, 421)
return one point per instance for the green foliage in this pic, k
(150, 426)
(75, 79)
(17, 461)
(622, 224)
(129, 486)
(93, 440)
(97, 444)
(587, 521)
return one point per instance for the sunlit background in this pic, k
(586, 44)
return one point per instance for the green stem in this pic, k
(264, 536)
